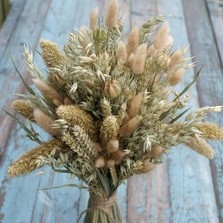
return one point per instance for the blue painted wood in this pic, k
(206, 50)
(9, 24)
(18, 195)
(215, 12)
(148, 196)
(26, 30)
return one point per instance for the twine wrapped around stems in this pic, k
(101, 203)
(102, 210)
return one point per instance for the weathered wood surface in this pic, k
(186, 188)
(209, 84)
(9, 25)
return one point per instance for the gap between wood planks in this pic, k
(204, 45)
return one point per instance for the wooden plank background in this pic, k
(4, 8)
(186, 188)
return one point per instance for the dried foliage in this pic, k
(109, 103)
(24, 108)
(31, 160)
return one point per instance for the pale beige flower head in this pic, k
(133, 40)
(111, 17)
(138, 65)
(94, 19)
(51, 54)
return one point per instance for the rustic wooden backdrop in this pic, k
(187, 188)
(4, 8)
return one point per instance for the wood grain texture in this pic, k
(9, 24)
(215, 13)
(26, 30)
(209, 85)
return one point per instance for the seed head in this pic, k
(112, 89)
(94, 19)
(24, 108)
(109, 129)
(133, 40)
(46, 122)
(176, 77)
(48, 92)
(29, 161)
(138, 64)
(52, 56)
(121, 53)
(201, 146)
(129, 127)
(111, 17)
(74, 115)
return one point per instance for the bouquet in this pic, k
(110, 107)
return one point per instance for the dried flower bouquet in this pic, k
(110, 107)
